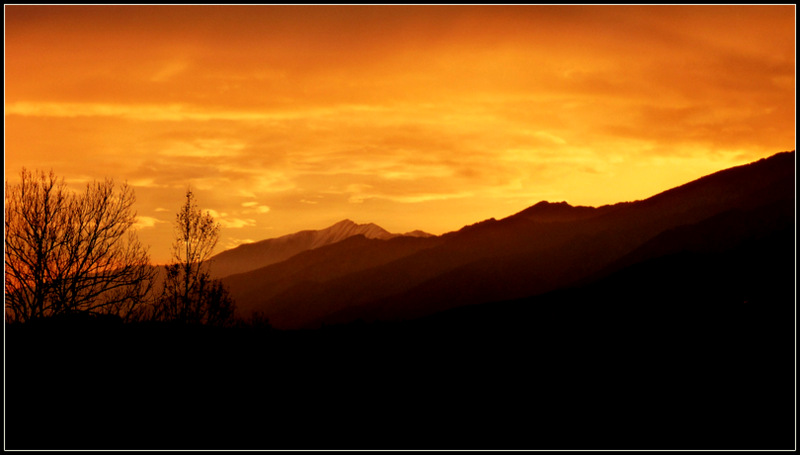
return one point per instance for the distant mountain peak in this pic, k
(418, 233)
(555, 211)
(265, 252)
(348, 223)
(549, 204)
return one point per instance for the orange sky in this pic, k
(285, 118)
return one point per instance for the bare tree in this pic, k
(69, 252)
(189, 294)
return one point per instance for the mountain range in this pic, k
(350, 272)
(251, 256)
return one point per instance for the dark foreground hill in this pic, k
(675, 338)
(690, 350)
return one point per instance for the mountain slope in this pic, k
(253, 256)
(308, 268)
(708, 328)
(540, 249)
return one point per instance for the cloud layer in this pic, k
(284, 118)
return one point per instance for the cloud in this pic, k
(169, 70)
(254, 207)
(171, 112)
(204, 148)
(143, 222)
(236, 223)
(234, 242)
(148, 182)
(550, 137)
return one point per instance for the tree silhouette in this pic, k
(69, 252)
(189, 294)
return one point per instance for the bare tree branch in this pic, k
(68, 252)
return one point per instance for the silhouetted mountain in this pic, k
(343, 258)
(416, 233)
(696, 325)
(541, 249)
(558, 211)
(255, 255)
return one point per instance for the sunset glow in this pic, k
(283, 118)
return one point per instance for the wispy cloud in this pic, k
(171, 112)
(143, 222)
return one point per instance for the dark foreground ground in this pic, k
(690, 351)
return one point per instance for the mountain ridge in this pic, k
(539, 249)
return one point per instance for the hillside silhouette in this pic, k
(351, 255)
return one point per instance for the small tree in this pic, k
(190, 295)
(69, 252)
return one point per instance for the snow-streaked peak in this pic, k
(265, 252)
(347, 228)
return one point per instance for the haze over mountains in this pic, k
(352, 272)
